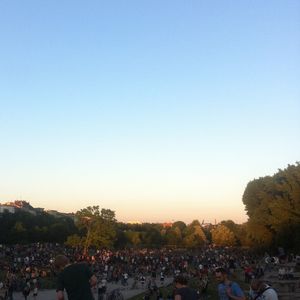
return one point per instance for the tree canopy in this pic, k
(97, 228)
(273, 206)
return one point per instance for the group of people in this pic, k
(227, 289)
(27, 264)
(24, 266)
(77, 280)
(285, 273)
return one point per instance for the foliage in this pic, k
(273, 206)
(223, 236)
(97, 227)
(74, 240)
(194, 235)
(24, 227)
(133, 238)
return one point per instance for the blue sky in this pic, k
(159, 110)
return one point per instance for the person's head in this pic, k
(180, 281)
(61, 261)
(256, 284)
(221, 274)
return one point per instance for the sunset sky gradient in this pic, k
(159, 110)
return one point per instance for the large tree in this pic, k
(273, 206)
(223, 236)
(97, 227)
(194, 235)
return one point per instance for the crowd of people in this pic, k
(26, 268)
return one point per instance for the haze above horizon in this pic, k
(158, 110)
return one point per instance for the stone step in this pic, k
(289, 296)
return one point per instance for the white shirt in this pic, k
(269, 295)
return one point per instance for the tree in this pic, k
(273, 206)
(238, 230)
(223, 236)
(133, 237)
(151, 237)
(57, 232)
(174, 236)
(194, 235)
(98, 228)
(18, 232)
(179, 224)
(74, 240)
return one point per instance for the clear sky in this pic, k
(159, 110)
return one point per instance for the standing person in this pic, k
(142, 280)
(228, 289)
(124, 279)
(101, 289)
(10, 283)
(35, 288)
(183, 292)
(162, 278)
(35, 292)
(10, 290)
(76, 279)
(26, 290)
(262, 291)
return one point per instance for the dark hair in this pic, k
(181, 280)
(61, 261)
(221, 270)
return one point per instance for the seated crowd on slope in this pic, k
(31, 266)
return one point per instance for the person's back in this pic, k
(76, 279)
(183, 292)
(269, 294)
(187, 293)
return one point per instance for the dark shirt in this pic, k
(187, 293)
(75, 280)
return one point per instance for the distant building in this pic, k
(14, 206)
(7, 208)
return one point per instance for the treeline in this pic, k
(180, 235)
(100, 229)
(272, 204)
(23, 227)
(93, 227)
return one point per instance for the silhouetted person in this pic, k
(77, 279)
